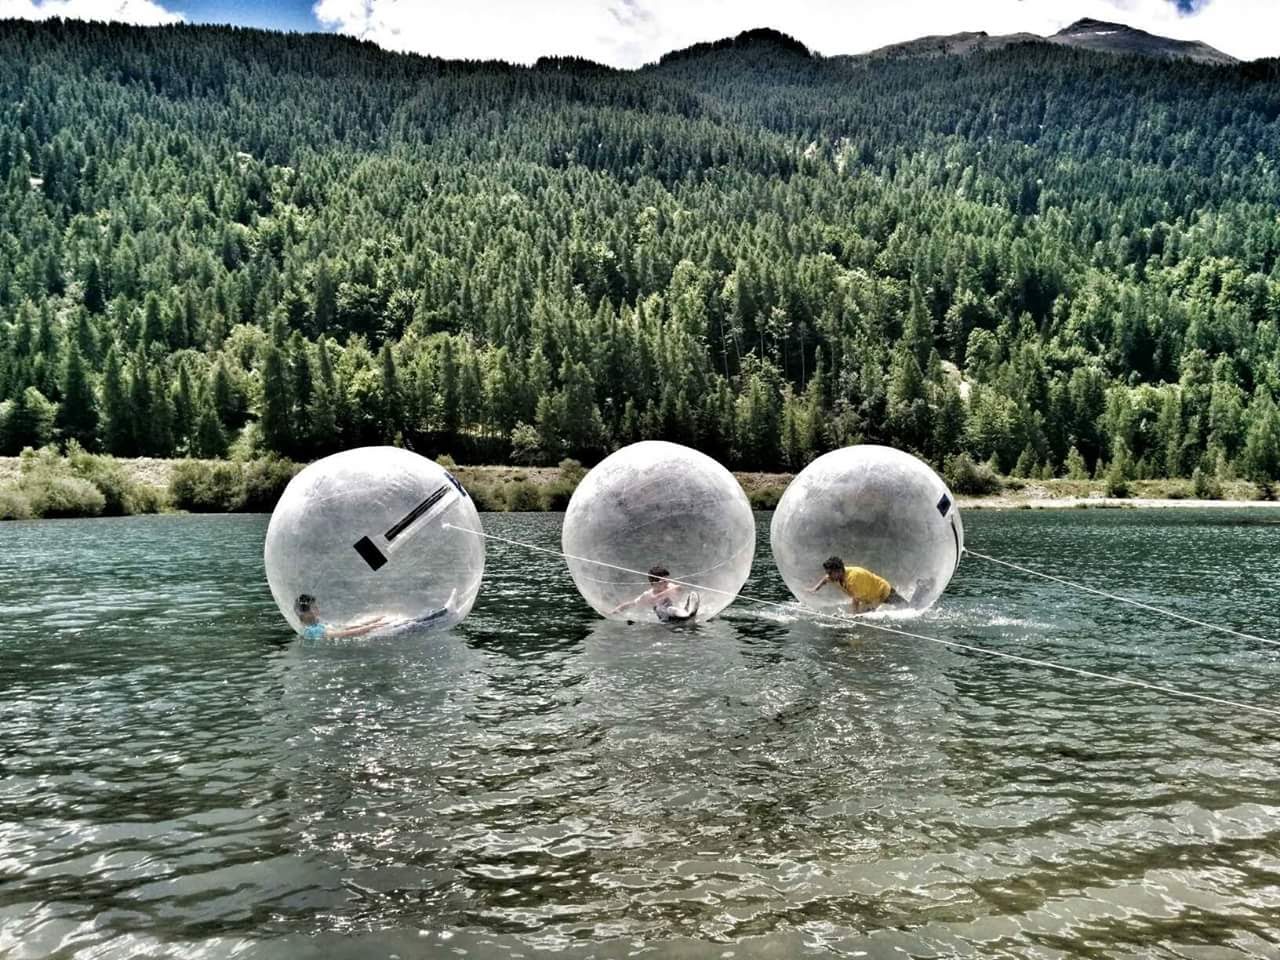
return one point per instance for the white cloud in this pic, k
(145, 13)
(628, 33)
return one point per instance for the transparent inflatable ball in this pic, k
(668, 513)
(874, 508)
(376, 533)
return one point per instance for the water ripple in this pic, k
(178, 778)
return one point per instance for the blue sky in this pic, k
(286, 15)
(628, 33)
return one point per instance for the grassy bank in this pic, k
(45, 483)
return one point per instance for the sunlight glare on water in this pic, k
(179, 777)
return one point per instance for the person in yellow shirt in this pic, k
(867, 591)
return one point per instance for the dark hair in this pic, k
(658, 572)
(304, 603)
(833, 565)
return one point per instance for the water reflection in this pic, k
(181, 778)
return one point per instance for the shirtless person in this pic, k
(663, 594)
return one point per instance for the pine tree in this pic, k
(117, 413)
(322, 412)
(78, 413)
(758, 423)
(46, 367)
(908, 412)
(794, 430)
(325, 303)
(184, 409)
(447, 380)
(84, 339)
(503, 390)
(30, 421)
(153, 325)
(190, 323)
(95, 300)
(302, 391)
(226, 398)
(581, 426)
(178, 335)
(1261, 458)
(471, 403)
(1026, 465)
(948, 424)
(547, 423)
(390, 398)
(160, 437)
(273, 416)
(141, 405)
(210, 440)
(1076, 468)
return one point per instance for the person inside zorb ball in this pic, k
(376, 539)
(865, 528)
(659, 532)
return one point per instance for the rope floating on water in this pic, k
(841, 618)
(1111, 596)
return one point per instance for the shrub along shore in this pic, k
(47, 483)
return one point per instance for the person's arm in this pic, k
(630, 603)
(819, 585)
(359, 629)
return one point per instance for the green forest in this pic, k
(224, 242)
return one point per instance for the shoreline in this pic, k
(497, 488)
(999, 501)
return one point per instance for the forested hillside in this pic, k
(218, 240)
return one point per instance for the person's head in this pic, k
(834, 568)
(658, 573)
(305, 608)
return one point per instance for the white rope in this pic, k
(695, 573)
(1112, 596)
(1111, 678)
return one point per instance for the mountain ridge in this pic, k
(1095, 36)
(1108, 37)
(756, 37)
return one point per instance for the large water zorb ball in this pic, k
(658, 504)
(374, 532)
(874, 507)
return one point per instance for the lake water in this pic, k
(179, 778)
